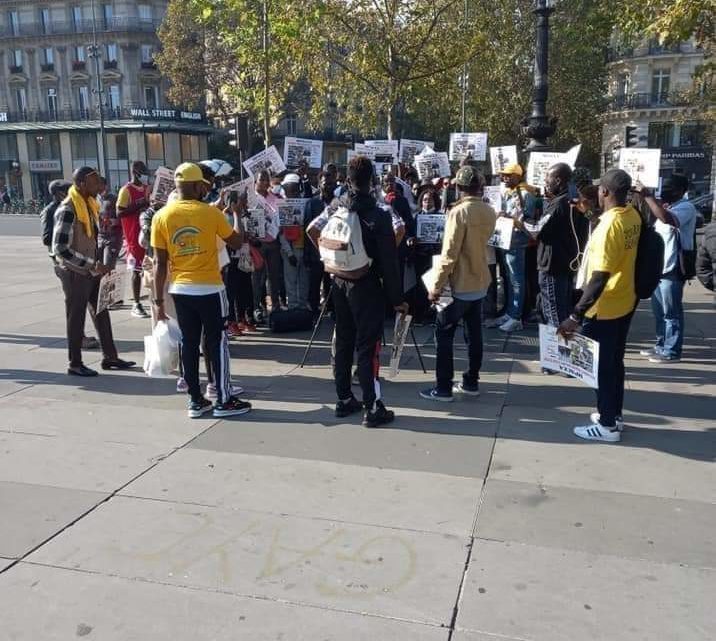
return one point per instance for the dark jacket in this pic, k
(706, 258)
(312, 209)
(562, 235)
(379, 241)
(47, 222)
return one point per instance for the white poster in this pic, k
(297, 149)
(463, 145)
(290, 211)
(577, 357)
(641, 164)
(359, 149)
(411, 148)
(385, 151)
(493, 193)
(429, 279)
(432, 164)
(266, 159)
(500, 157)
(255, 222)
(571, 155)
(400, 333)
(430, 229)
(163, 185)
(502, 236)
(539, 164)
(111, 289)
(242, 187)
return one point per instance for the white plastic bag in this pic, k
(161, 349)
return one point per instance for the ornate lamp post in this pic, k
(538, 126)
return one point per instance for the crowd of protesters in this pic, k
(571, 264)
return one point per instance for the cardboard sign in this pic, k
(267, 159)
(500, 157)
(297, 149)
(411, 148)
(641, 164)
(463, 145)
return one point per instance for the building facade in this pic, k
(647, 108)
(52, 76)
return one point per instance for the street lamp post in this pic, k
(94, 53)
(538, 126)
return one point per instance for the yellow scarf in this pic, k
(83, 212)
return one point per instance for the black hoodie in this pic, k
(379, 241)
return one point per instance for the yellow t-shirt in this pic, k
(612, 249)
(187, 229)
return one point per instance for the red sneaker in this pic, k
(234, 330)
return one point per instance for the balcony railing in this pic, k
(48, 66)
(79, 65)
(82, 26)
(646, 100)
(149, 64)
(614, 54)
(110, 64)
(15, 68)
(70, 115)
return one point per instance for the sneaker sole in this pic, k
(347, 414)
(465, 392)
(225, 413)
(378, 423)
(441, 399)
(198, 413)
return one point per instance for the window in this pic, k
(190, 148)
(692, 134)
(113, 101)
(48, 55)
(145, 13)
(13, 21)
(154, 144)
(83, 101)
(77, 18)
(111, 52)
(44, 146)
(117, 158)
(623, 84)
(147, 54)
(80, 54)
(17, 57)
(84, 149)
(660, 81)
(52, 101)
(107, 15)
(21, 99)
(151, 97)
(291, 124)
(45, 20)
(661, 134)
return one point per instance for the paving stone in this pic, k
(380, 571)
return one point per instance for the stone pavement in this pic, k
(122, 520)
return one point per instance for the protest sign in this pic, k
(539, 164)
(577, 357)
(500, 157)
(571, 155)
(430, 228)
(267, 159)
(242, 187)
(502, 236)
(297, 149)
(494, 194)
(359, 149)
(400, 333)
(255, 222)
(290, 211)
(429, 279)
(411, 148)
(432, 164)
(111, 289)
(163, 185)
(463, 145)
(384, 151)
(641, 164)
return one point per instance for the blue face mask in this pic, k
(143, 179)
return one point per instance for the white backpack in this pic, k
(341, 245)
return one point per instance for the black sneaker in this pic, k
(347, 408)
(199, 407)
(434, 394)
(81, 370)
(233, 407)
(379, 415)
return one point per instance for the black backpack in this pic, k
(649, 262)
(47, 222)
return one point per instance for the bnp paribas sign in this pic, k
(165, 114)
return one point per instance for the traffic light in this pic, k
(239, 131)
(632, 137)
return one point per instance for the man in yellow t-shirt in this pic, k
(184, 238)
(608, 301)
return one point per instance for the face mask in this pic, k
(143, 179)
(276, 189)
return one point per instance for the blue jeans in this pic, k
(516, 282)
(445, 325)
(668, 308)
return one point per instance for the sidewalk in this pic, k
(483, 520)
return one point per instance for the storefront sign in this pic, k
(165, 114)
(45, 166)
(687, 154)
(3, 116)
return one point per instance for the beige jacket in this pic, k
(463, 261)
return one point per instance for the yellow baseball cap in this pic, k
(188, 172)
(513, 168)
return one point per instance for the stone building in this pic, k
(647, 108)
(49, 108)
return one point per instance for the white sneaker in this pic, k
(594, 417)
(460, 388)
(496, 322)
(211, 391)
(182, 386)
(511, 325)
(138, 311)
(652, 351)
(597, 432)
